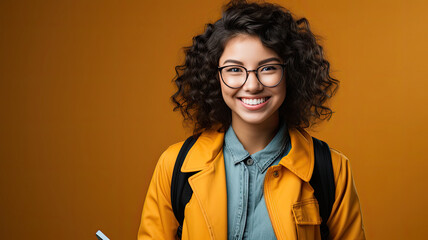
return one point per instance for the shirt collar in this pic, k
(299, 160)
(262, 158)
(234, 146)
(273, 150)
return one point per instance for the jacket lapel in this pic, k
(300, 159)
(209, 185)
(285, 192)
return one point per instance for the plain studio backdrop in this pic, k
(85, 110)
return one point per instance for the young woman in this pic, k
(250, 83)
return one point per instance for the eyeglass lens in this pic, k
(268, 75)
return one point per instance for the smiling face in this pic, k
(253, 103)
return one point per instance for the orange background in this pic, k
(85, 111)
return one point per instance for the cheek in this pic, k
(282, 92)
(223, 88)
(223, 91)
(228, 95)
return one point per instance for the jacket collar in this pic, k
(300, 159)
(204, 151)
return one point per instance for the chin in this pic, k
(255, 120)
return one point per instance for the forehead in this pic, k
(247, 49)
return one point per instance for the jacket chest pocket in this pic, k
(307, 219)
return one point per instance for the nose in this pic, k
(252, 84)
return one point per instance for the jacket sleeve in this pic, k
(158, 220)
(345, 221)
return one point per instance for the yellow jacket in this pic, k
(290, 201)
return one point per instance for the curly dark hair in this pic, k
(307, 72)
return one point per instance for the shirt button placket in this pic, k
(249, 162)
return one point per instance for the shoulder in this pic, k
(206, 147)
(167, 159)
(345, 221)
(341, 164)
(171, 152)
(162, 175)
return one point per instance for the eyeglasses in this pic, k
(235, 76)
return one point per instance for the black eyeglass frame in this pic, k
(255, 72)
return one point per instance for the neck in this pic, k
(255, 137)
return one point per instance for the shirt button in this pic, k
(249, 162)
(276, 174)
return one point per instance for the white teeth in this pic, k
(253, 101)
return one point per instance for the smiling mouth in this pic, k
(254, 101)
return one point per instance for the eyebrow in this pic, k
(260, 63)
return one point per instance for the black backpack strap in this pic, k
(181, 192)
(322, 182)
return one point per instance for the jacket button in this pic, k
(276, 174)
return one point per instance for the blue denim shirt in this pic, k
(247, 216)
